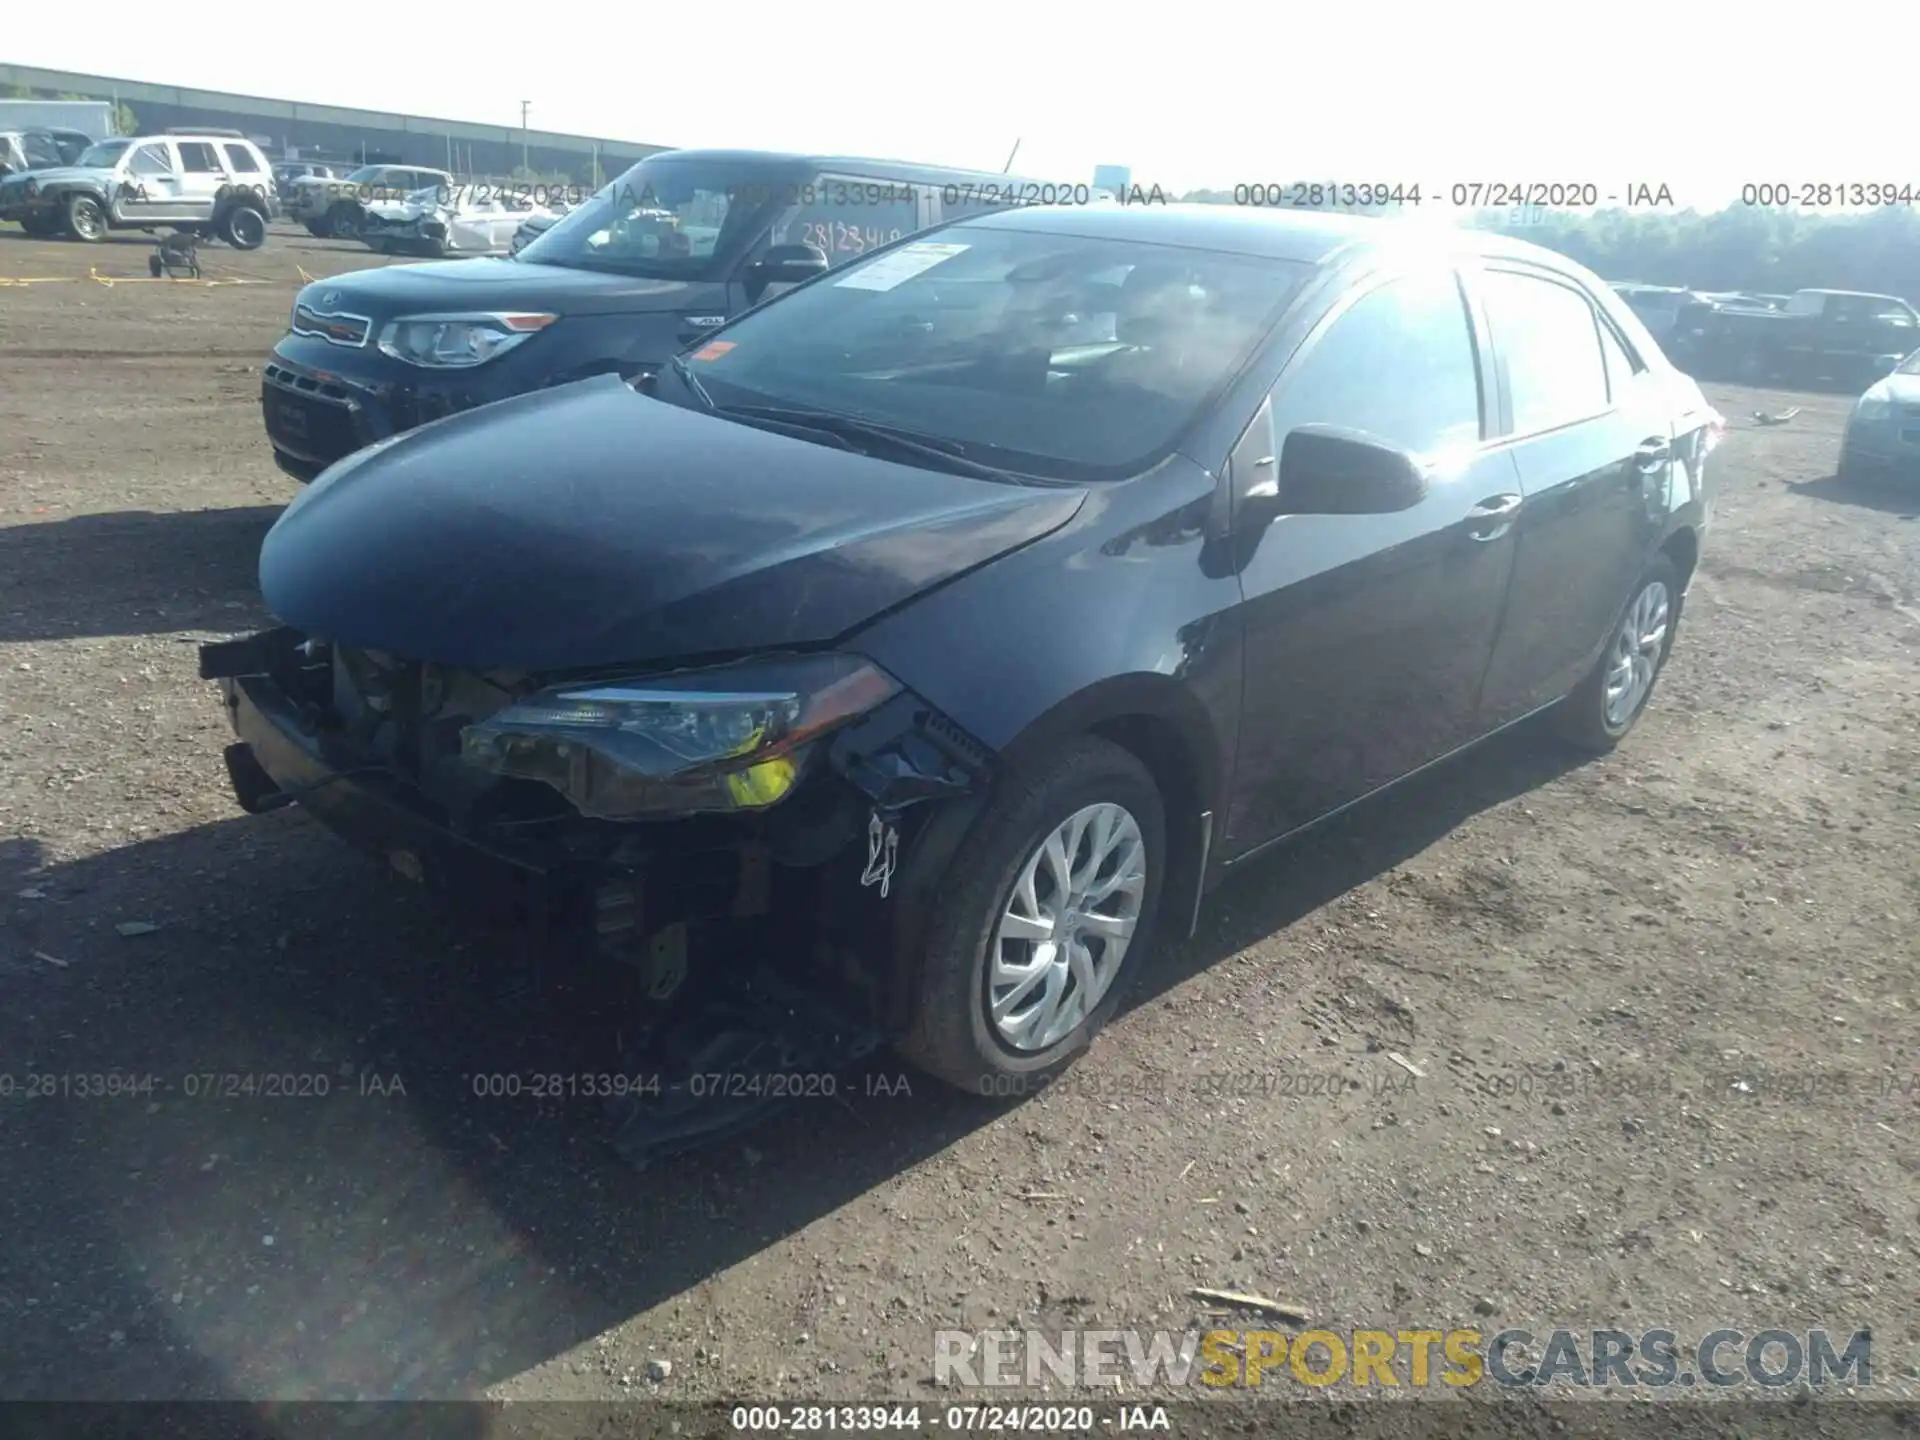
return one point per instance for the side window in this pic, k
(197, 158)
(1547, 333)
(240, 160)
(1894, 315)
(1620, 366)
(1398, 364)
(846, 216)
(150, 160)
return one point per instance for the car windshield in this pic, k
(1050, 355)
(368, 175)
(104, 155)
(666, 219)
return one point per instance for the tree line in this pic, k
(1767, 249)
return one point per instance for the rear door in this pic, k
(1590, 429)
(204, 177)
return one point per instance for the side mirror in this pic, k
(790, 264)
(1326, 470)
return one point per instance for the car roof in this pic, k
(897, 169)
(192, 136)
(1312, 237)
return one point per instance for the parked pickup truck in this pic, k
(1840, 336)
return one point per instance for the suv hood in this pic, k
(389, 290)
(591, 526)
(62, 175)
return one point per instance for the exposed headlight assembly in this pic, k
(455, 342)
(727, 739)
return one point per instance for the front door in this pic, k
(1367, 635)
(150, 188)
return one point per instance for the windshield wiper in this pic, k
(945, 453)
(691, 381)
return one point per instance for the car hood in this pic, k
(461, 285)
(62, 175)
(1901, 389)
(404, 209)
(591, 526)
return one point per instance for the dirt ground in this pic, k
(1664, 1003)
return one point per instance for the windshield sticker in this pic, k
(903, 264)
(713, 349)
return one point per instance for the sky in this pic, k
(1701, 98)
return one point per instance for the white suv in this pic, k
(208, 182)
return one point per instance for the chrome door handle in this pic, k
(1494, 516)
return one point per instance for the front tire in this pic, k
(86, 218)
(1049, 908)
(1602, 708)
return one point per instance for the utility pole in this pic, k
(524, 166)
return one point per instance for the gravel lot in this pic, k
(1664, 1004)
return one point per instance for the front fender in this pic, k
(1119, 613)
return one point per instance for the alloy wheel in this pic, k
(1066, 928)
(1634, 656)
(88, 222)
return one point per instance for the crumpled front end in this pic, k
(406, 225)
(820, 868)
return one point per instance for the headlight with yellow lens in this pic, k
(727, 739)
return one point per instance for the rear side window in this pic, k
(1550, 338)
(1398, 364)
(1620, 366)
(240, 160)
(197, 157)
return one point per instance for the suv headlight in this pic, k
(454, 342)
(1876, 404)
(727, 739)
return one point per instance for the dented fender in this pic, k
(926, 781)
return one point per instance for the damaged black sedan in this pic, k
(940, 632)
